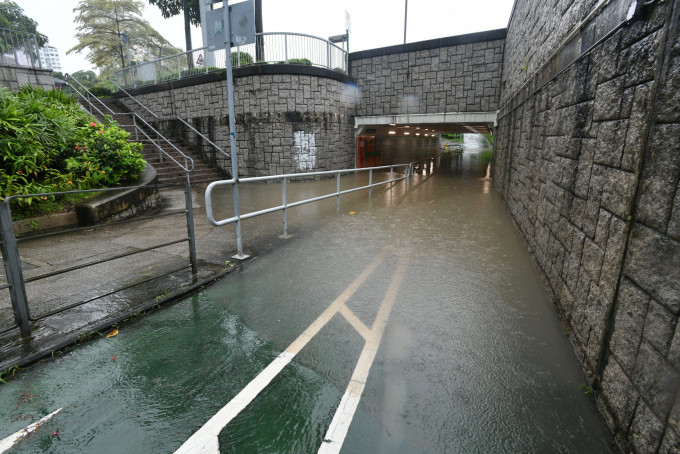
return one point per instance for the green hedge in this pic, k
(49, 144)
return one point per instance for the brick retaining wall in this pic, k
(589, 166)
(285, 123)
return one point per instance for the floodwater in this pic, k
(472, 357)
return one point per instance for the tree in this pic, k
(86, 78)
(191, 11)
(100, 26)
(12, 17)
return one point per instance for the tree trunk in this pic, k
(187, 33)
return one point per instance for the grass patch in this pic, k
(60, 204)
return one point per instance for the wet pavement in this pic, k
(416, 324)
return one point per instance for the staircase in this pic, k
(168, 172)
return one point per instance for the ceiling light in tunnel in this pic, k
(407, 133)
(393, 124)
(391, 132)
(407, 126)
(426, 134)
(417, 133)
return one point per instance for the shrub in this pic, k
(245, 59)
(49, 144)
(300, 61)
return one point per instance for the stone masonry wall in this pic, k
(538, 27)
(458, 74)
(13, 77)
(589, 166)
(285, 123)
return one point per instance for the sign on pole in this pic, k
(241, 25)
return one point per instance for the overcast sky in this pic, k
(374, 23)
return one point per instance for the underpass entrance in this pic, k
(387, 140)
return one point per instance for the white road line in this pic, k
(205, 440)
(15, 438)
(337, 431)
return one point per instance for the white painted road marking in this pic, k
(204, 440)
(16, 437)
(337, 431)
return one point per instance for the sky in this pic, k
(374, 23)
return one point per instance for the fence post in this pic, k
(328, 47)
(370, 181)
(237, 213)
(179, 68)
(285, 208)
(285, 47)
(15, 277)
(190, 223)
(338, 186)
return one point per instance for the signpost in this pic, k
(223, 28)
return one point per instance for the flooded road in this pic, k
(417, 324)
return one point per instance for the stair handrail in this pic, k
(217, 147)
(136, 117)
(184, 167)
(87, 98)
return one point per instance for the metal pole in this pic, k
(328, 49)
(370, 181)
(15, 278)
(190, 222)
(239, 240)
(405, 16)
(134, 122)
(285, 208)
(391, 175)
(232, 128)
(338, 184)
(285, 47)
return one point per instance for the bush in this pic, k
(49, 144)
(300, 61)
(245, 59)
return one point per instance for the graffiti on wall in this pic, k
(304, 150)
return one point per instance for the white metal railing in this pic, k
(290, 48)
(19, 49)
(408, 170)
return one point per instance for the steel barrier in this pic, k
(238, 217)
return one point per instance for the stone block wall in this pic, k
(14, 77)
(537, 29)
(285, 123)
(589, 166)
(456, 74)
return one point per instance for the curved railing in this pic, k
(288, 48)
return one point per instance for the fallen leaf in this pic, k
(352, 212)
(431, 201)
(112, 333)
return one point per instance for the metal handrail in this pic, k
(68, 77)
(136, 117)
(409, 167)
(217, 147)
(24, 47)
(282, 49)
(16, 281)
